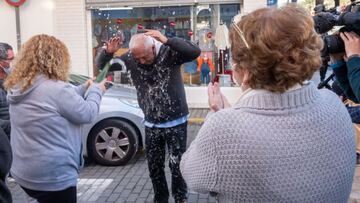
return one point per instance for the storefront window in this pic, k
(271, 2)
(227, 12)
(172, 21)
(197, 23)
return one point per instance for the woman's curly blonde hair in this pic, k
(284, 49)
(40, 55)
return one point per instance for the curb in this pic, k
(196, 121)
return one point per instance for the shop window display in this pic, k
(197, 23)
(171, 21)
(227, 13)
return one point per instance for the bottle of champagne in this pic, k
(103, 73)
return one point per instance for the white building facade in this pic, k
(81, 24)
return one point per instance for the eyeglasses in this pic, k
(234, 22)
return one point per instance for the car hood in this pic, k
(121, 91)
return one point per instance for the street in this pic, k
(131, 183)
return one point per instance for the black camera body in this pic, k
(326, 20)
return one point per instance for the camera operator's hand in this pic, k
(352, 43)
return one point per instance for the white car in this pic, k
(118, 131)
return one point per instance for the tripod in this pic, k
(325, 83)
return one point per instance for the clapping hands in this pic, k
(217, 100)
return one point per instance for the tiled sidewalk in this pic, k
(131, 183)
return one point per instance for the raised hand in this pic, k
(113, 45)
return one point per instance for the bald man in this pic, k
(154, 63)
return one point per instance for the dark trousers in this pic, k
(64, 196)
(175, 139)
(5, 164)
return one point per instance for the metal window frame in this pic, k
(96, 4)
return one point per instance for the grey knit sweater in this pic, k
(292, 147)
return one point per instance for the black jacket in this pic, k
(348, 76)
(5, 163)
(4, 105)
(160, 88)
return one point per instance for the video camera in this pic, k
(326, 20)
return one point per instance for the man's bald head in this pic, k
(142, 48)
(140, 41)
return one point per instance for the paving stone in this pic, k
(113, 197)
(138, 189)
(141, 200)
(193, 198)
(144, 193)
(131, 183)
(121, 200)
(125, 193)
(132, 198)
(119, 188)
(203, 201)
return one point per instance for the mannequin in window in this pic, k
(205, 67)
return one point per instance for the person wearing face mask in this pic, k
(284, 140)
(6, 57)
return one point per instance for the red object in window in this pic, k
(140, 27)
(209, 35)
(226, 72)
(15, 3)
(119, 21)
(190, 33)
(109, 78)
(172, 24)
(229, 72)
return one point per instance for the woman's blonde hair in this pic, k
(283, 48)
(40, 55)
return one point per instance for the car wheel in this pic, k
(113, 142)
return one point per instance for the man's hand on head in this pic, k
(113, 45)
(156, 35)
